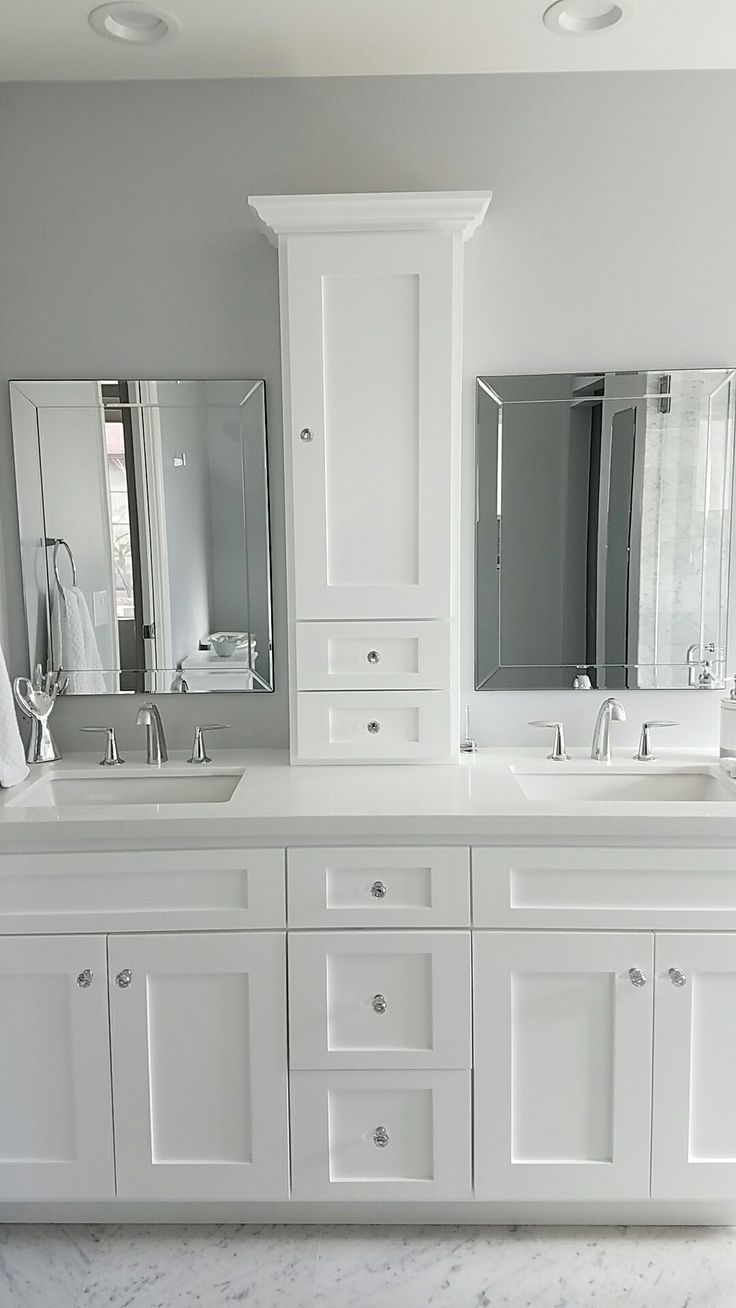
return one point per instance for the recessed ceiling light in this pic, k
(138, 24)
(581, 17)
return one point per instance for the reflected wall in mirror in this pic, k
(604, 530)
(143, 512)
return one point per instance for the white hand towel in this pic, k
(74, 642)
(13, 766)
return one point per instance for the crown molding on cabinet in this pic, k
(409, 211)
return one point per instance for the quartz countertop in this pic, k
(478, 800)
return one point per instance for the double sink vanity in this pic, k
(499, 989)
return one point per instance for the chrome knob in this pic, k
(373, 656)
(373, 728)
(84, 980)
(637, 977)
(677, 977)
(379, 1004)
(124, 978)
(306, 435)
(378, 890)
(380, 1137)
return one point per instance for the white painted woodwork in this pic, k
(335, 1117)
(379, 999)
(370, 327)
(456, 213)
(55, 1096)
(563, 1065)
(145, 890)
(694, 1121)
(390, 726)
(372, 655)
(199, 1066)
(378, 887)
(543, 886)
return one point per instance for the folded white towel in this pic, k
(74, 643)
(13, 766)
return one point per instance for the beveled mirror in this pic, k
(144, 531)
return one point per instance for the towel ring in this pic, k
(59, 544)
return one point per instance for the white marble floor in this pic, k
(367, 1267)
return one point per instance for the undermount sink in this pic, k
(116, 788)
(628, 786)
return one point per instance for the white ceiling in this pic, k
(51, 39)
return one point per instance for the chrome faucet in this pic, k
(611, 710)
(150, 718)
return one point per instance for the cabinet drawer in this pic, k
(380, 1135)
(216, 889)
(378, 887)
(613, 888)
(380, 999)
(373, 655)
(393, 726)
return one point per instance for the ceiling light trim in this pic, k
(569, 17)
(116, 21)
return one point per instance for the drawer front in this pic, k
(612, 888)
(380, 1135)
(379, 999)
(374, 726)
(215, 889)
(378, 887)
(373, 655)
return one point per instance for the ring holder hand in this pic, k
(36, 700)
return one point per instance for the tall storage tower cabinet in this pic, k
(371, 356)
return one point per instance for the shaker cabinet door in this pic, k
(563, 1057)
(694, 1145)
(55, 1099)
(369, 416)
(199, 1065)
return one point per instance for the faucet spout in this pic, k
(150, 718)
(611, 710)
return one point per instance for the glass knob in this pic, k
(84, 980)
(380, 1137)
(637, 977)
(374, 728)
(378, 890)
(379, 1004)
(677, 977)
(306, 435)
(373, 656)
(124, 978)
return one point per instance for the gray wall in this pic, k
(127, 249)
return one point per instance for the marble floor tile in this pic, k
(366, 1267)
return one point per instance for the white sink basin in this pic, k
(626, 785)
(97, 789)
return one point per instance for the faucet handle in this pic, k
(111, 757)
(559, 753)
(644, 753)
(199, 751)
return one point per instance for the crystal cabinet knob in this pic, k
(306, 435)
(637, 977)
(378, 890)
(373, 728)
(379, 1004)
(373, 656)
(84, 980)
(677, 977)
(380, 1137)
(124, 978)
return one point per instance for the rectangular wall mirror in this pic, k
(144, 532)
(604, 543)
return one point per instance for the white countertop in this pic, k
(478, 800)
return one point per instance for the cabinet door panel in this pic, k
(371, 381)
(55, 1095)
(694, 1144)
(199, 1065)
(379, 999)
(563, 1065)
